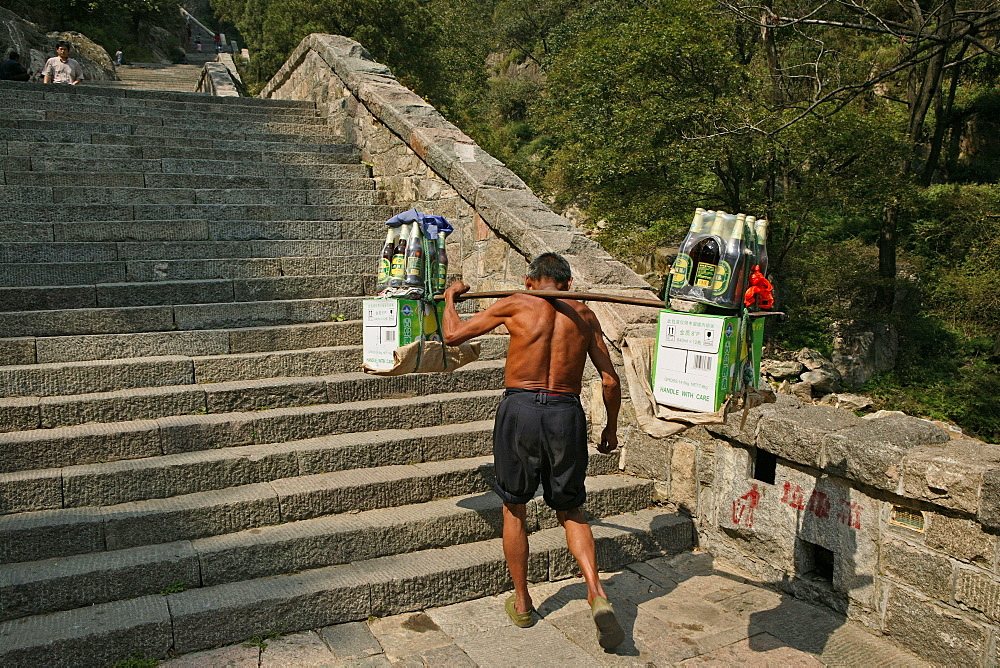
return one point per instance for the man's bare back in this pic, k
(550, 340)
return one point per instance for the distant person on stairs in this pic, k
(12, 70)
(197, 44)
(540, 432)
(119, 57)
(62, 69)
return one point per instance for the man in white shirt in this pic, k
(62, 69)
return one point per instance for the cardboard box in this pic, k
(388, 324)
(696, 358)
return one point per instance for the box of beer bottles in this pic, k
(388, 324)
(699, 358)
(712, 260)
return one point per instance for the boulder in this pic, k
(823, 380)
(782, 370)
(802, 390)
(852, 402)
(813, 359)
(878, 415)
(95, 61)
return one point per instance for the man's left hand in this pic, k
(609, 440)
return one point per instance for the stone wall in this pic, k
(887, 519)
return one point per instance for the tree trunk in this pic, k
(771, 53)
(885, 292)
(942, 119)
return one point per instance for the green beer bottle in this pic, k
(385, 263)
(398, 259)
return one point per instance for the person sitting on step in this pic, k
(12, 70)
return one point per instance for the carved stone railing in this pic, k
(888, 519)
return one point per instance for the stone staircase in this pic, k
(188, 454)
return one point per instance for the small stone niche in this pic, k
(816, 562)
(764, 466)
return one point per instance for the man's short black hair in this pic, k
(62, 43)
(550, 265)
(13, 55)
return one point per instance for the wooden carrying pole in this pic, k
(560, 294)
(584, 297)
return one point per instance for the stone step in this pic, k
(36, 535)
(211, 291)
(258, 124)
(73, 378)
(225, 614)
(87, 273)
(86, 113)
(57, 213)
(15, 253)
(154, 108)
(93, 95)
(149, 403)
(314, 133)
(132, 319)
(135, 179)
(189, 230)
(90, 194)
(288, 153)
(24, 451)
(192, 343)
(202, 165)
(63, 584)
(223, 147)
(161, 477)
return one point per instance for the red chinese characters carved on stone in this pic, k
(821, 505)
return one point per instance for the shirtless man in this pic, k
(540, 432)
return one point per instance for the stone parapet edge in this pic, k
(217, 80)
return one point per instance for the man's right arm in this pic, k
(458, 331)
(47, 73)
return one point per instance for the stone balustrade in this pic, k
(889, 519)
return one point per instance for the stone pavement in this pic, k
(682, 610)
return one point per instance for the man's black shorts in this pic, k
(541, 436)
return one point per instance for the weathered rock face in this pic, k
(861, 352)
(36, 47)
